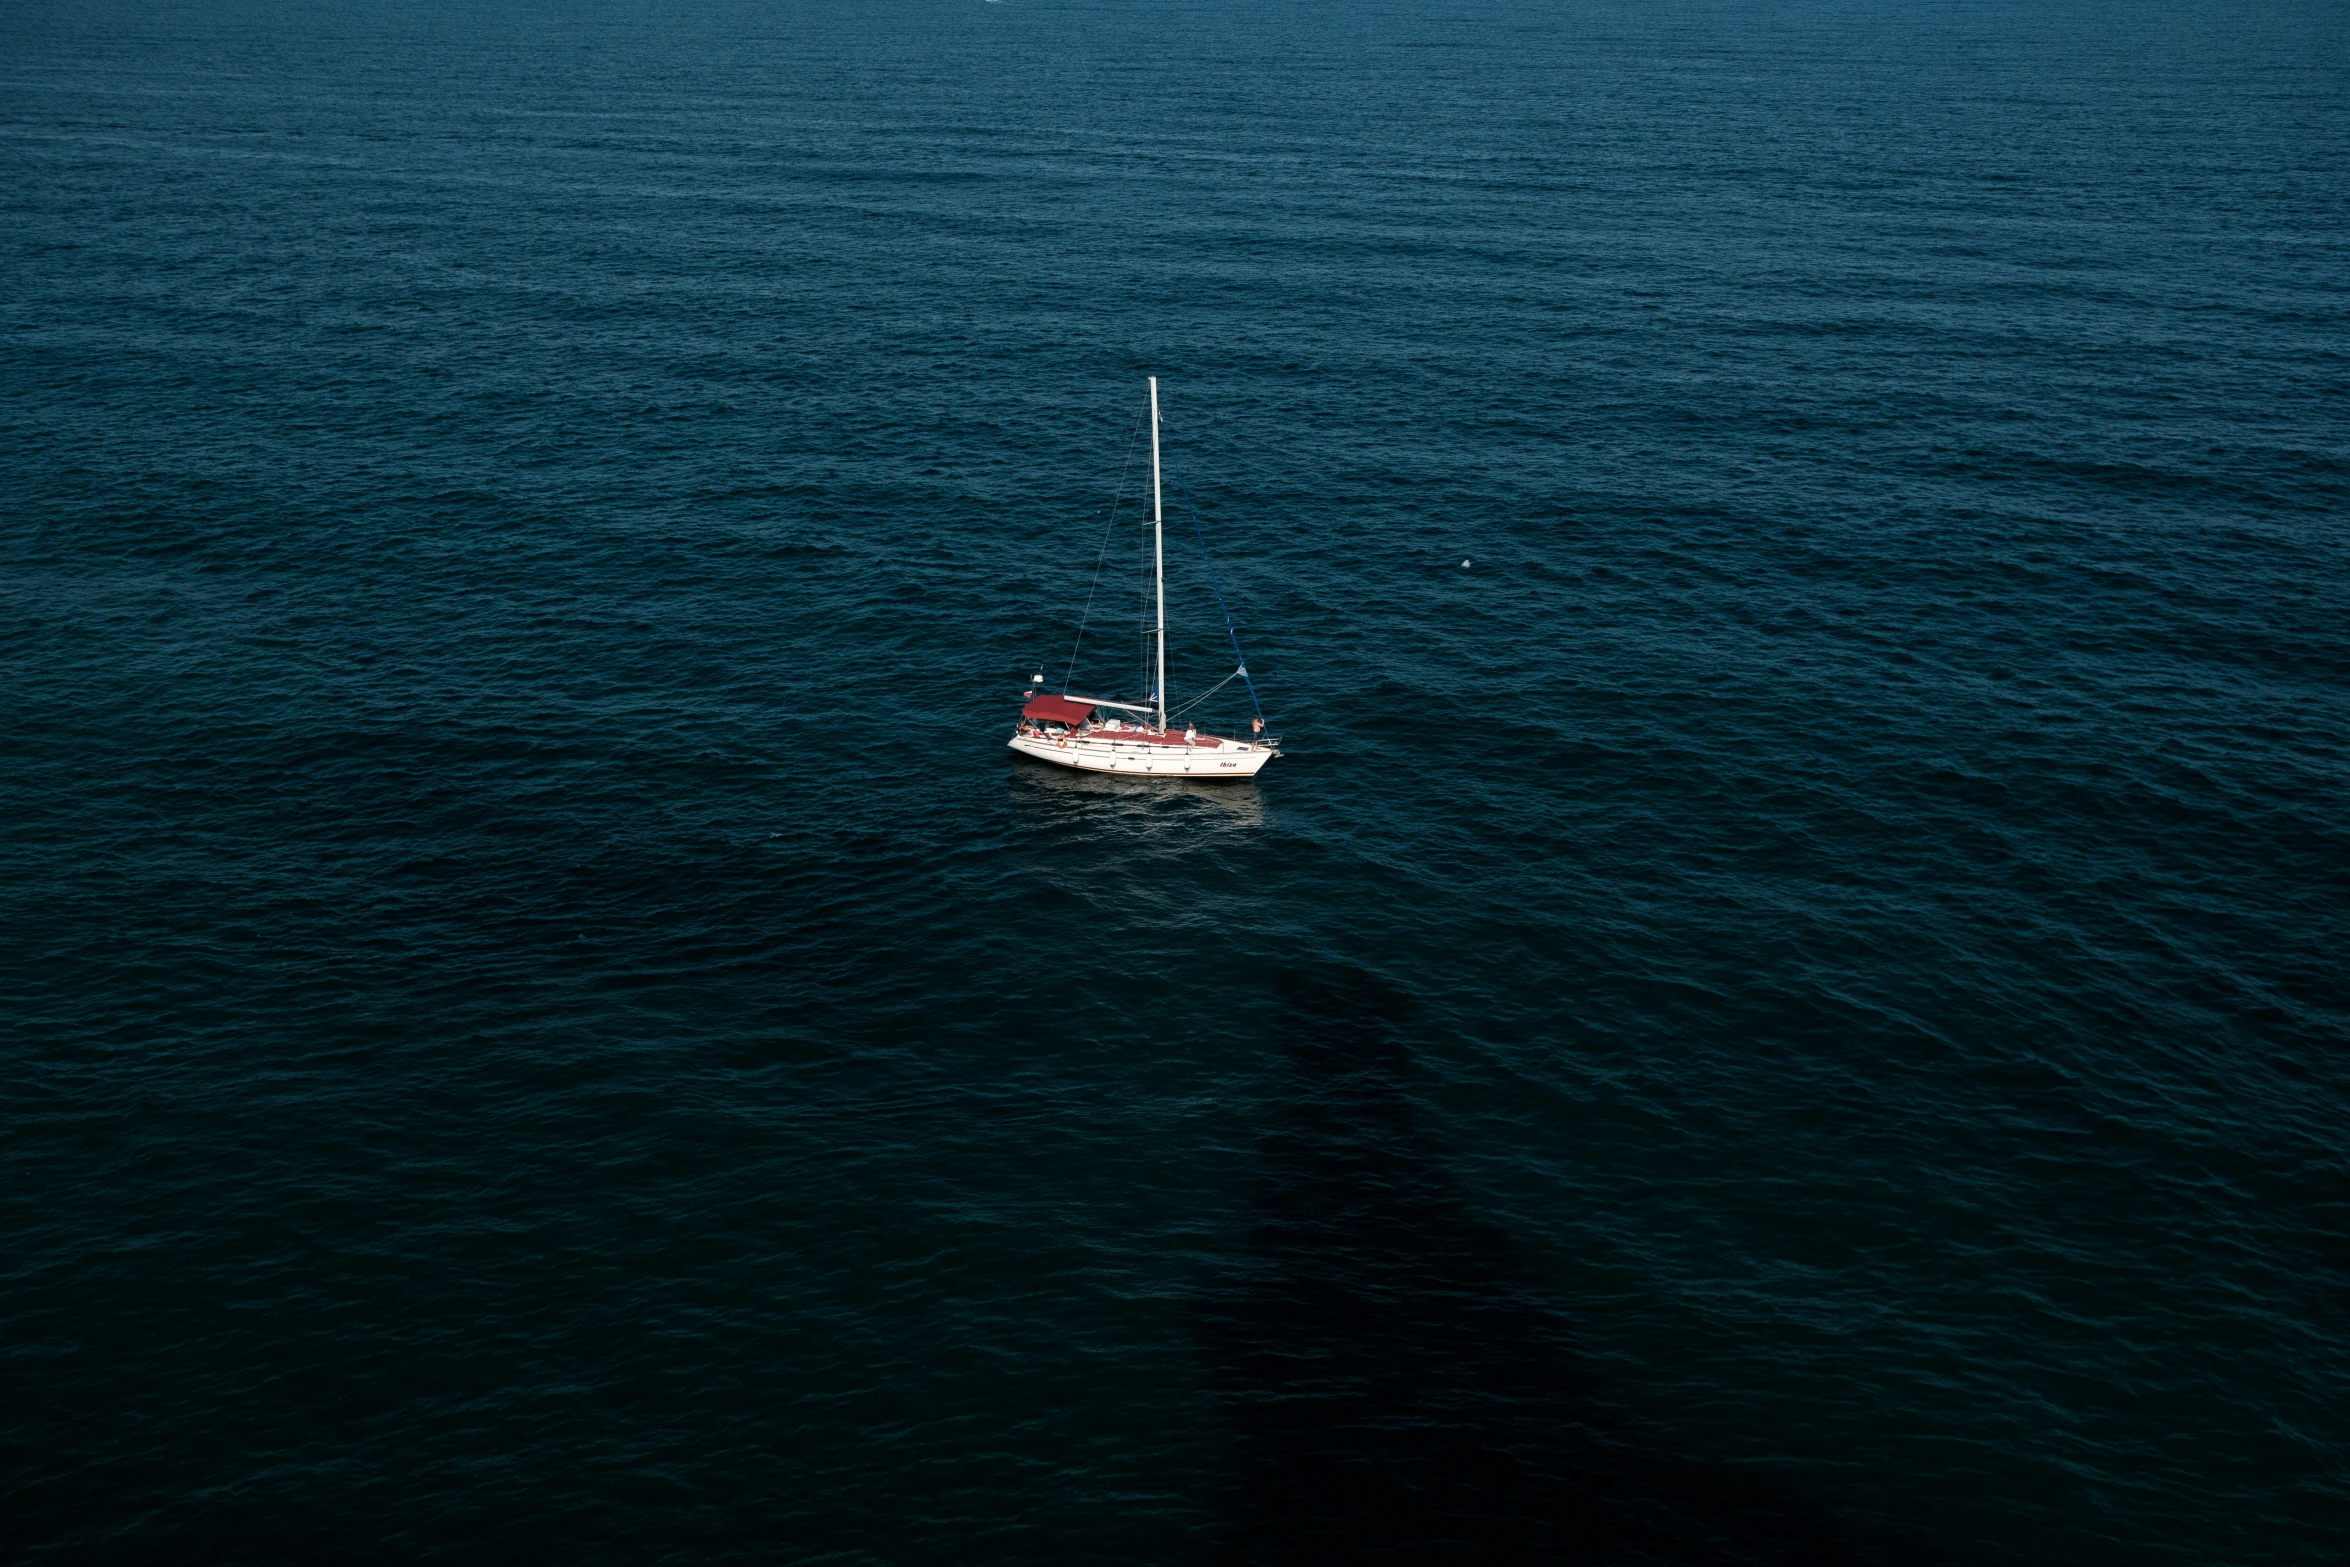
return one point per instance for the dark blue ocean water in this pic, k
(1792, 1011)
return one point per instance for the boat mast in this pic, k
(1159, 552)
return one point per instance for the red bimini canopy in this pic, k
(1057, 710)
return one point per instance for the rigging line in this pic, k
(1203, 696)
(1142, 609)
(1183, 489)
(1117, 498)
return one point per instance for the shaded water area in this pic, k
(1400, 1385)
(1784, 1002)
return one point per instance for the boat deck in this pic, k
(1145, 737)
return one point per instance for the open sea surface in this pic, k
(1787, 1002)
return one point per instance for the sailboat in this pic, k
(1101, 735)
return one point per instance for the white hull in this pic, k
(1138, 758)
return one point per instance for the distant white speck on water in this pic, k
(1464, 565)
